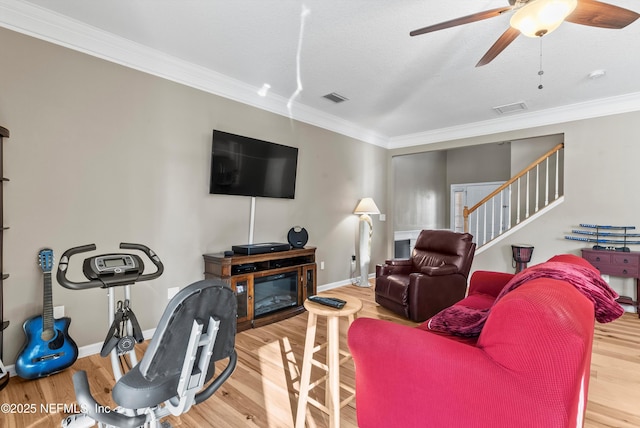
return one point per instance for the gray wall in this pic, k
(420, 191)
(478, 164)
(524, 151)
(103, 154)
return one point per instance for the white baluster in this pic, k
(518, 202)
(537, 187)
(546, 193)
(509, 213)
(478, 226)
(557, 171)
(484, 232)
(501, 212)
(493, 217)
(526, 214)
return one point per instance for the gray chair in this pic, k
(197, 329)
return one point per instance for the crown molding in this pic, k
(568, 113)
(35, 21)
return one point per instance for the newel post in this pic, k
(465, 214)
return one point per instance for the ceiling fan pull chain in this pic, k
(540, 72)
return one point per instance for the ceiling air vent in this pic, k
(510, 108)
(336, 98)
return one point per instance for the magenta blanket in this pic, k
(462, 321)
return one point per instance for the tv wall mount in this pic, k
(614, 238)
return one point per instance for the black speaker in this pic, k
(298, 237)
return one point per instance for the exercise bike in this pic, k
(196, 330)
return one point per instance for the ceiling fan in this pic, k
(535, 18)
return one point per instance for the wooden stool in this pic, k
(332, 404)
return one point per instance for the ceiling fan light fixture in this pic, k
(540, 17)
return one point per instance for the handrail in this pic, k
(507, 185)
(512, 180)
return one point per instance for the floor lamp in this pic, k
(365, 207)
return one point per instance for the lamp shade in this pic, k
(540, 17)
(366, 206)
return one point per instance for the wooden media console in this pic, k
(269, 287)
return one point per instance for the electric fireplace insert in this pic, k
(275, 292)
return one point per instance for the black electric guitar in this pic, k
(48, 348)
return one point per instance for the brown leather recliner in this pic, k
(434, 278)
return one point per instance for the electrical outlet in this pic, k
(58, 312)
(383, 217)
(172, 292)
(322, 265)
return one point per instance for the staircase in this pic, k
(527, 195)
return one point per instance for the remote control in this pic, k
(328, 301)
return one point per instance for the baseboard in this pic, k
(95, 348)
(332, 285)
(88, 350)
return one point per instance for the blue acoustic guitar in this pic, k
(48, 348)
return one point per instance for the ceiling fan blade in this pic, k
(500, 45)
(597, 14)
(461, 21)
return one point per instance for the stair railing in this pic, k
(517, 194)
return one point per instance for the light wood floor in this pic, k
(261, 392)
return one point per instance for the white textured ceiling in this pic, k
(397, 85)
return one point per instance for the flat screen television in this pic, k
(250, 167)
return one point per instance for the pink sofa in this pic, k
(529, 366)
